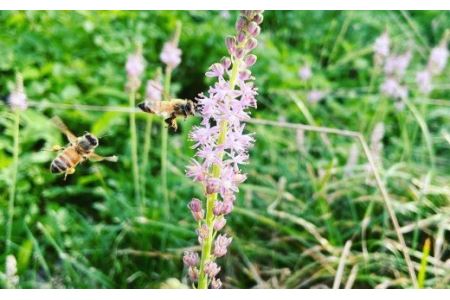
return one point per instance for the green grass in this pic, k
(297, 209)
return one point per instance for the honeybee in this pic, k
(170, 110)
(79, 149)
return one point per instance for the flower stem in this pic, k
(211, 198)
(134, 155)
(12, 192)
(146, 150)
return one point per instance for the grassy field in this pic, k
(311, 214)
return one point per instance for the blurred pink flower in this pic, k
(438, 59)
(171, 55)
(305, 73)
(154, 90)
(423, 80)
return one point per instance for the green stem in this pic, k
(12, 191)
(164, 129)
(211, 198)
(147, 147)
(164, 141)
(134, 155)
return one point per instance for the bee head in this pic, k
(190, 107)
(88, 141)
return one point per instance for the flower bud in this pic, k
(190, 258)
(202, 233)
(230, 42)
(193, 274)
(249, 14)
(239, 53)
(251, 44)
(258, 18)
(226, 63)
(211, 269)
(219, 223)
(227, 207)
(241, 24)
(250, 60)
(212, 186)
(245, 74)
(216, 283)
(253, 29)
(221, 244)
(196, 209)
(218, 207)
(241, 37)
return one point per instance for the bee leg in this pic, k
(171, 122)
(69, 171)
(54, 148)
(174, 124)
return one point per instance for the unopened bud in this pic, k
(251, 44)
(239, 53)
(240, 37)
(190, 258)
(230, 42)
(202, 233)
(196, 209)
(218, 207)
(216, 283)
(211, 269)
(250, 60)
(226, 63)
(219, 223)
(241, 24)
(212, 186)
(245, 75)
(227, 207)
(193, 274)
(258, 18)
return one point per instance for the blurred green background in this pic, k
(297, 208)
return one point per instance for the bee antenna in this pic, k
(103, 135)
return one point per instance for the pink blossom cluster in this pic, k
(394, 67)
(17, 100)
(436, 65)
(305, 73)
(135, 67)
(222, 146)
(381, 48)
(171, 55)
(154, 90)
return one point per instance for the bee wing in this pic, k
(158, 107)
(61, 126)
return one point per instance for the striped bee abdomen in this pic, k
(68, 159)
(58, 166)
(144, 107)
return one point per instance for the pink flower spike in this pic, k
(135, 65)
(171, 55)
(154, 90)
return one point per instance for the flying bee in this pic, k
(79, 149)
(170, 110)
